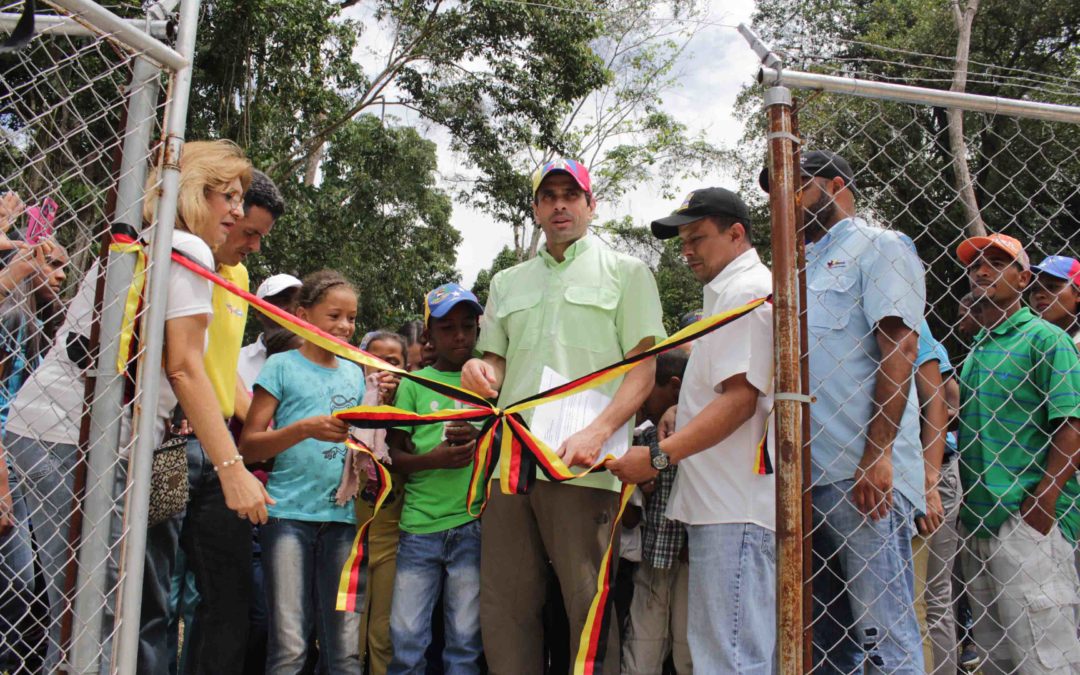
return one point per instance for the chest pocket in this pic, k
(587, 320)
(832, 299)
(520, 324)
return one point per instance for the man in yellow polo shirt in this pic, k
(217, 543)
(576, 307)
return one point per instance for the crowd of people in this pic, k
(924, 473)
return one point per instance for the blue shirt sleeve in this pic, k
(926, 345)
(894, 281)
(271, 376)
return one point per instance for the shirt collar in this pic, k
(573, 251)
(834, 232)
(1018, 318)
(745, 261)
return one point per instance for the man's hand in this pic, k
(326, 428)
(873, 491)
(1039, 513)
(583, 448)
(935, 512)
(667, 423)
(633, 467)
(479, 376)
(449, 456)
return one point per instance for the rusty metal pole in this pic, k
(789, 390)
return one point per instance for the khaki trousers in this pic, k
(658, 616)
(566, 524)
(382, 557)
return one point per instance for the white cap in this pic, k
(276, 284)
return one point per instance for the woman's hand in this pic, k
(244, 493)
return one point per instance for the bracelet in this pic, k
(229, 462)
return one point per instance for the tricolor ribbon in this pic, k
(505, 441)
(351, 581)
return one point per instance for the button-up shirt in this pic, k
(719, 484)
(1017, 385)
(574, 316)
(857, 275)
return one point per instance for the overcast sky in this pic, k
(715, 66)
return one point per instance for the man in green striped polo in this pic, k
(1019, 437)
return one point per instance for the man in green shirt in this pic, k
(1019, 441)
(576, 307)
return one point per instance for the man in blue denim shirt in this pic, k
(865, 300)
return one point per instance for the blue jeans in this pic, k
(302, 563)
(16, 583)
(732, 605)
(46, 475)
(423, 561)
(864, 586)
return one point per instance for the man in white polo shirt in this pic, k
(722, 492)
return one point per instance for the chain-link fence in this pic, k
(939, 503)
(83, 110)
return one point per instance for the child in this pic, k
(308, 537)
(382, 535)
(439, 539)
(658, 609)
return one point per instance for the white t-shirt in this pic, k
(719, 485)
(49, 405)
(252, 360)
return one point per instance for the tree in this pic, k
(505, 259)
(618, 129)
(1023, 172)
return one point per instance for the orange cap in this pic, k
(969, 249)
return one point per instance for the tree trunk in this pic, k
(964, 17)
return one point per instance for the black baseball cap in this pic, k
(698, 204)
(818, 164)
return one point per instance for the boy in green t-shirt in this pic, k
(439, 539)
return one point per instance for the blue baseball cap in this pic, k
(1060, 266)
(440, 301)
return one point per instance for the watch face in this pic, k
(660, 461)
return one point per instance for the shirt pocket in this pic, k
(587, 320)
(519, 316)
(832, 299)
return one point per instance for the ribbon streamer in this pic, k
(505, 440)
(351, 580)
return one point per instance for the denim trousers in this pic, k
(46, 477)
(428, 565)
(16, 583)
(863, 586)
(302, 563)
(732, 604)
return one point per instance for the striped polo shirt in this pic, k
(1020, 380)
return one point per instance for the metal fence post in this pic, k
(149, 379)
(788, 406)
(107, 408)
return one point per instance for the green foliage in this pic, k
(1025, 171)
(505, 259)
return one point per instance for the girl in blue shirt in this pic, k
(308, 537)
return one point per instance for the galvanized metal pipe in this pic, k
(54, 24)
(788, 368)
(121, 30)
(902, 93)
(107, 408)
(149, 384)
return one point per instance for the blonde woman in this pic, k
(43, 428)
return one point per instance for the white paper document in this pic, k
(556, 421)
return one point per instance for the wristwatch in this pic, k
(658, 457)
